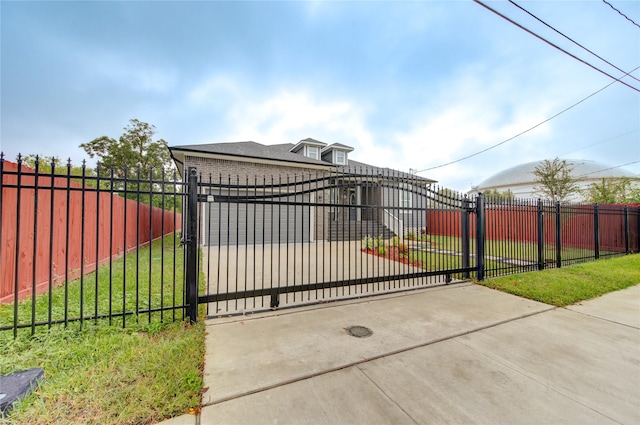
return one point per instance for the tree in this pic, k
(613, 191)
(134, 149)
(134, 154)
(497, 196)
(554, 181)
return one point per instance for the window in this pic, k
(340, 157)
(312, 152)
(405, 199)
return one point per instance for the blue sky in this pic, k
(410, 85)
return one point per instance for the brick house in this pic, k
(319, 193)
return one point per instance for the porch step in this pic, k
(355, 230)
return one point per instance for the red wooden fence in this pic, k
(50, 247)
(520, 224)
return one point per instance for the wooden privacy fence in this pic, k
(54, 229)
(613, 228)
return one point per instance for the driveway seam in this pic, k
(530, 376)
(358, 367)
(376, 357)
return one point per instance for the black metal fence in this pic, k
(78, 245)
(271, 242)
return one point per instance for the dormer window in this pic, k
(312, 152)
(336, 153)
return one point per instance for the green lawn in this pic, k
(100, 373)
(571, 284)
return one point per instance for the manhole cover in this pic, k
(359, 331)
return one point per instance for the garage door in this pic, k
(244, 219)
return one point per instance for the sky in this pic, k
(410, 85)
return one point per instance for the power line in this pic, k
(600, 142)
(569, 38)
(607, 169)
(521, 133)
(627, 18)
(556, 46)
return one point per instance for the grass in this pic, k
(572, 284)
(510, 249)
(96, 373)
(148, 279)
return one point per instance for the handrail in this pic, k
(393, 223)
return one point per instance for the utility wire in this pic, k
(569, 38)
(522, 132)
(607, 169)
(600, 142)
(628, 18)
(556, 46)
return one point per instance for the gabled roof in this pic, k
(338, 146)
(282, 153)
(309, 142)
(252, 150)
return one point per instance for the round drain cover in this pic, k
(359, 331)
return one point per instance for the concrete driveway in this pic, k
(461, 354)
(233, 268)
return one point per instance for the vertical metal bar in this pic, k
(466, 237)
(263, 252)
(596, 232)
(124, 257)
(137, 244)
(255, 215)
(111, 182)
(51, 233)
(480, 235)
(540, 238)
(66, 254)
(558, 235)
(34, 253)
(162, 230)
(16, 288)
(237, 241)
(219, 263)
(192, 246)
(82, 236)
(175, 227)
(208, 237)
(626, 229)
(228, 237)
(97, 258)
(245, 192)
(150, 242)
(295, 228)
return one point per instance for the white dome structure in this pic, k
(521, 180)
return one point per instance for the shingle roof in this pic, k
(251, 150)
(282, 152)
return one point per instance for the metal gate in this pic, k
(321, 237)
(314, 238)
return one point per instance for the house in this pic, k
(299, 192)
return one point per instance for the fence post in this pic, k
(191, 240)
(558, 235)
(480, 235)
(626, 230)
(541, 258)
(596, 232)
(466, 237)
(638, 228)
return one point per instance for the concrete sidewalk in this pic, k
(456, 354)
